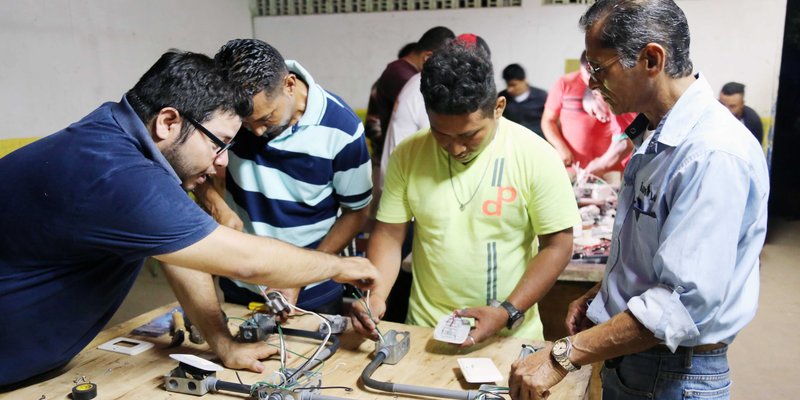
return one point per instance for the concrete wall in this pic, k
(60, 59)
(347, 52)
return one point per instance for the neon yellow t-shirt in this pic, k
(467, 258)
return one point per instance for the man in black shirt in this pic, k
(524, 103)
(732, 96)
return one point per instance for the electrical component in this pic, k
(125, 345)
(256, 328)
(479, 370)
(395, 345)
(275, 303)
(452, 328)
(527, 350)
(337, 323)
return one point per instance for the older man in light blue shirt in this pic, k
(691, 223)
(682, 277)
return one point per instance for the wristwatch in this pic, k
(515, 316)
(560, 352)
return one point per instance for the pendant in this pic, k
(461, 207)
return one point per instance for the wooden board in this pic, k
(582, 272)
(428, 363)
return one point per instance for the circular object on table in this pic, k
(84, 391)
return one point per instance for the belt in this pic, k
(688, 352)
(702, 348)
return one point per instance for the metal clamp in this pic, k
(256, 329)
(338, 324)
(189, 380)
(395, 345)
(527, 350)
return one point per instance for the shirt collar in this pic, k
(133, 126)
(315, 101)
(678, 122)
(685, 114)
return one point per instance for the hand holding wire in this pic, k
(366, 314)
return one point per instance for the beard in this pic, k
(275, 131)
(181, 166)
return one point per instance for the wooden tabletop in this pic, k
(428, 363)
(582, 272)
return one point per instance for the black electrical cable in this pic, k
(231, 387)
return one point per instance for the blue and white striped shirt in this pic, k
(291, 188)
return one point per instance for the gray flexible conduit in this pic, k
(366, 377)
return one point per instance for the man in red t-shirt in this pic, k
(579, 123)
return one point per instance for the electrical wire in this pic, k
(369, 312)
(283, 348)
(321, 345)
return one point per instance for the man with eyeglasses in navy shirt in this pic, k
(82, 208)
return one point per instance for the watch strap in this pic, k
(563, 358)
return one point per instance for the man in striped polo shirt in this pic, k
(301, 173)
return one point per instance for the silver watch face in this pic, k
(559, 347)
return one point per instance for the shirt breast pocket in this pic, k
(646, 226)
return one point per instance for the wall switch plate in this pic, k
(479, 370)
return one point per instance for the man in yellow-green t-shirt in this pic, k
(481, 190)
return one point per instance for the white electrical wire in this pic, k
(325, 321)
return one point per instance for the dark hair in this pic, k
(190, 83)
(407, 49)
(434, 38)
(513, 72)
(458, 79)
(733, 88)
(252, 64)
(629, 25)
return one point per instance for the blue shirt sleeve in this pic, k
(142, 214)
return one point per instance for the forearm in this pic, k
(210, 197)
(344, 230)
(259, 260)
(543, 271)
(552, 132)
(197, 295)
(622, 334)
(612, 157)
(384, 251)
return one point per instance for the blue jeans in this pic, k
(657, 374)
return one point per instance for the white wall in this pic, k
(346, 53)
(60, 59)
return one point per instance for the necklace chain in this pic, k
(461, 205)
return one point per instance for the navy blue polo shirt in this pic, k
(80, 210)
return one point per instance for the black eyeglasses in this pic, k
(217, 141)
(593, 71)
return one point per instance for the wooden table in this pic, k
(582, 272)
(573, 282)
(428, 363)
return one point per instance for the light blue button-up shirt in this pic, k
(690, 226)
